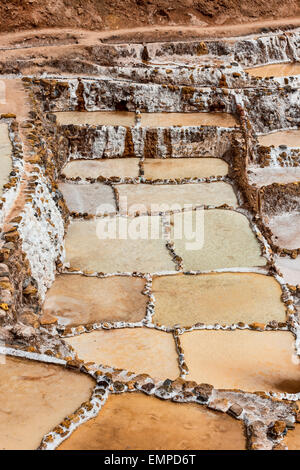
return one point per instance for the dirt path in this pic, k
(54, 37)
(205, 31)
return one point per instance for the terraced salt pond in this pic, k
(150, 298)
(269, 175)
(126, 245)
(153, 168)
(184, 168)
(292, 439)
(223, 298)
(187, 119)
(124, 118)
(141, 422)
(228, 242)
(239, 359)
(133, 349)
(97, 198)
(14, 99)
(276, 70)
(35, 398)
(88, 197)
(78, 300)
(5, 156)
(243, 359)
(121, 167)
(286, 230)
(146, 197)
(96, 118)
(290, 138)
(289, 268)
(86, 251)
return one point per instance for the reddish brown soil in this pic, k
(16, 15)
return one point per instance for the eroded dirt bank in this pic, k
(113, 14)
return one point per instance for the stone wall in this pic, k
(118, 141)
(103, 95)
(269, 109)
(250, 51)
(278, 198)
(32, 242)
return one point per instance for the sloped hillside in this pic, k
(114, 14)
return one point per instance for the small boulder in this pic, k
(277, 429)
(203, 392)
(235, 410)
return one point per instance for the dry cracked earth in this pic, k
(150, 242)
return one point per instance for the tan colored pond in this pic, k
(276, 70)
(78, 300)
(35, 397)
(225, 241)
(94, 199)
(96, 118)
(286, 230)
(139, 422)
(224, 298)
(121, 167)
(139, 350)
(269, 175)
(15, 98)
(153, 168)
(5, 156)
(86, 247)
(184, 168)
(187, 119)
(164, 197)
(288, 138)
(124, 118)
(243, 359)
(292, 439)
